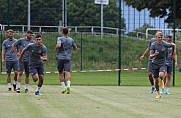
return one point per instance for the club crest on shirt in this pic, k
(8, 45)
(39, 51)
(163, 49)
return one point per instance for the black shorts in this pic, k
(158, 68)
(36, 70)
(23, 66)
(10, 65)
(63, 65)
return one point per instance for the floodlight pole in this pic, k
(102, 12)
(119, 49)
(29, 14)
(64, 13)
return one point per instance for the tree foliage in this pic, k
(158, 8)
(49, 12)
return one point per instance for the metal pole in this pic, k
(101, 19)
(29, 14)
(119, 51)
(81, 60)
(63, 13)
(1, 44)
(8, 14)
(174, 20)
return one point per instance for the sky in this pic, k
(135, 19)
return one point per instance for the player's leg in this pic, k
(26, 67)
(20, 73)
(8, 72)
(67, 67)
(168, 79)
(15, 68)
(35, 77)
(150, 76)
(162, 74)
(60, 66)
(156, 75)
(40, 75)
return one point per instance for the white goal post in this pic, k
(155, 29)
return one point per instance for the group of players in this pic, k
(160, 63)
(26, 54)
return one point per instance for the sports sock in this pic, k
(14, 82)
(63, 85)
(167, 89)
(18, 84)
(38, 88)
(9, 85)
(68, 83)
(26, 86)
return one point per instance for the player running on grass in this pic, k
(158, 52)
(37, 54)
(10, 58)
(170, 58)
(150, 63)
(24, 65)
(64, 54)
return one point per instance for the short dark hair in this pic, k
(169, 36)
(29, 32)
(65, 30)
(37, 36)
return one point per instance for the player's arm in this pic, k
(175, 55)
(15, 49)
(22, 53)
(58, 45)
(44, 55)
(153, 52)
(152, 55)
(145, 53)
(44, 58)
(2, 56)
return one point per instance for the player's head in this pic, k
(159, 36)
(169, 38)
(10, 33)
(29, 34)
(38, 39)
(65, 31)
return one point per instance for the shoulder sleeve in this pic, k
(44, 51)
(73, 44)
(3, 45)
(152, 48)
(28, 46)
(17, 42)
(59, 40)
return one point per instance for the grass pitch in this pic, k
(89, 102)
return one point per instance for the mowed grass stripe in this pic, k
(90, 102)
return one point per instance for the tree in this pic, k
(158, 8)
(49, 12)
(87, 13)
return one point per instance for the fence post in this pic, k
(81, 52)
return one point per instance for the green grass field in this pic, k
(90, 102)
(128, 78)
(93, 95)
